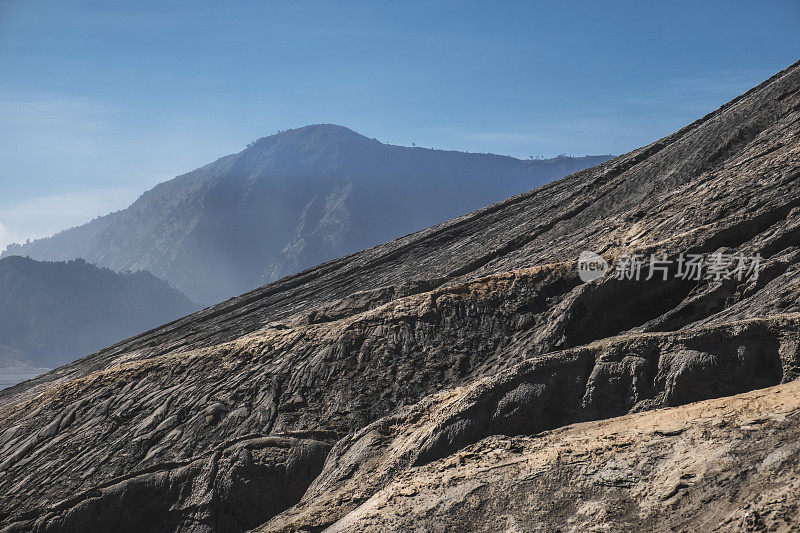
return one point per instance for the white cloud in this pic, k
(46, 215)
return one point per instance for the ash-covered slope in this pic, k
(293, 405)
(291, 201)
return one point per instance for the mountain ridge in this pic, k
(290, 201)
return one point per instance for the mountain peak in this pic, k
(314, 136)
(328, 129)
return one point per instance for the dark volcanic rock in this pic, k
(233, 489)
(402, 355)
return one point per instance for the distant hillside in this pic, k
(53, 313)
(291, 201)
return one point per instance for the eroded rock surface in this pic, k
(730, 464)
(301, 404)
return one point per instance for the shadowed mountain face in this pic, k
(53, 313)
(291, 201)
(330, 397)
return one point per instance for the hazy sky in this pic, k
(101, 100)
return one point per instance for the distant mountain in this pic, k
(53, 313)
(291, 201)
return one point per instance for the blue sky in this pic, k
(101, 100)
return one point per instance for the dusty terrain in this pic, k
(408, 386)
(731, 464)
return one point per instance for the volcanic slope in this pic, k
(310, 402)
